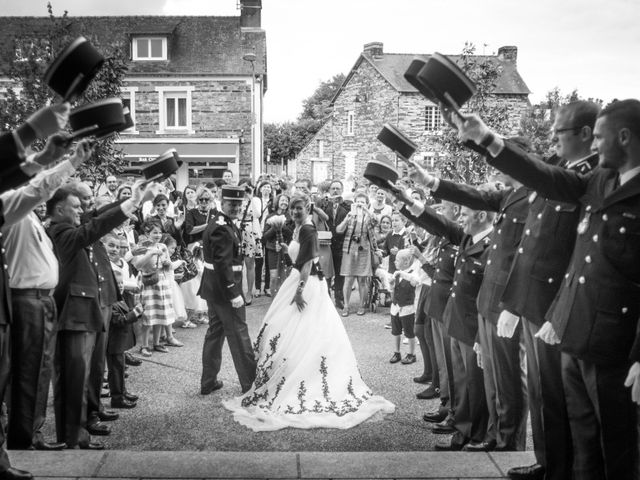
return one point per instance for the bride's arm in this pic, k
(304, 276)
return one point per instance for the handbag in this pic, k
(149, 279)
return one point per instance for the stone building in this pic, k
(195, 84)
(375, 92)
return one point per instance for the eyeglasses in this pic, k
(204, 200)
(555, 131)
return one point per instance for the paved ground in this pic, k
(172, 416)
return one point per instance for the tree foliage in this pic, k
(27, 67)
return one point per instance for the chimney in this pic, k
(250, 13)
(374, 49)
(508, 54)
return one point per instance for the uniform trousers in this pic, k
(115, 365)
(471, 413)
(5, 371)
(33, 341)
(603, 420)
(96, 375)
(442, 347)
(421, 326)
(72, 364)
(230, 323)
(484, 332)
(549, 421)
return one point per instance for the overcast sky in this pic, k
(589, 45)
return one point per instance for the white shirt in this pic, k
(626, 176)
(479, 236)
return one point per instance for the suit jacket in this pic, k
(11, 175)
(596, 310)
(547, 243)
(5, 292)
(121, 337)
(442, 276)
(461, 312)
(222, 277)
(337, 239)
(511, 207)
(78, 295)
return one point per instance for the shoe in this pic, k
(340, 305)
(422, 379)
(126, 375)
(257, 294)
(408, 359)
(345, 312)
(216, 386)
(90, 446)
(487, 446)
(145, 352)
(105, 394)
(267, 293)
(131, 397)
(388, 326)
(395, 358)
(15, 474)
(174, 342)
(108, 416)
(449, 445)
(46, 446)
(131, 360)
(123, 403)
(160, 348)
(428, 393)
(360, 311)
(98, 429)
(188, 324)
(532, 472)
(444, 427)
(435, 416)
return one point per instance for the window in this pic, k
(149, 48)
(433, 120)
(350, 121)
(174, 108)
(320, 148)
(129, 101)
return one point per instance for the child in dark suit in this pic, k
(403, 308)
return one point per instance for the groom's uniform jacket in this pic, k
(222, 276)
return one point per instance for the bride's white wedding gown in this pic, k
(307, 375)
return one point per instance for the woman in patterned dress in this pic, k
(307, 374)
(251, 237)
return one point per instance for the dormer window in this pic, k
(149, 48)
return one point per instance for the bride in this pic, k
(307, 375)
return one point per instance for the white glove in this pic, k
(471, 128)
(137, 192)
(507, 323)
(633, 381)
(547, 334)
(478, 349)
(237, 302)
(49, 120)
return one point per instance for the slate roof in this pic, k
(197, 44)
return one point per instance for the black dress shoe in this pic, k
(488, 446)
(435, 416)
(108, 416)
(395, 358)
(532, 472)
(90, 446)
(98, 429)
(49, 446)
(131, 397)
(444, 427)
(428, 393)
(216, 386)
(449, 444)
(422, 379)
(123, 403)
(131, 360)
(15, 474)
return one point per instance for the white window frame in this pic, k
(320, 148)
(129, 93)
(134, 49)
(169, 92)
(433, 111)
(351, 117)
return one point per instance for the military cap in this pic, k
(230, 192)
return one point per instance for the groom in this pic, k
(221, 287)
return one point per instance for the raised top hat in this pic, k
(105, 116)
(411, 75)
(446, 82)
(73, 69)
(128, 121)
(163, 166)
(230, 192)
(397, 141)
(380, 171)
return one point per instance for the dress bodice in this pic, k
(294, 249)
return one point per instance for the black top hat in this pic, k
(128, 121)
(380, 171)
(230, 192)
(397, 141)
(163, 166)
(73, 69)
(105, 116)
(411, 75)
(446, 82)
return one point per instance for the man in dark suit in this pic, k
(336, 209)
(534, 280)
(78, 299)
(472, 234)
(595, 313)
(221, 287)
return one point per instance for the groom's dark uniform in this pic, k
(222, 282)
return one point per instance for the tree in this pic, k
(32, 56)
(317, 106)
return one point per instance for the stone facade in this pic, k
(374, 94)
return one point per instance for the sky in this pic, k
(592, 46)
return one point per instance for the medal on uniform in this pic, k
(532, 197)
(584, 223)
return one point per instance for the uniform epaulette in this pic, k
(583, 166)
